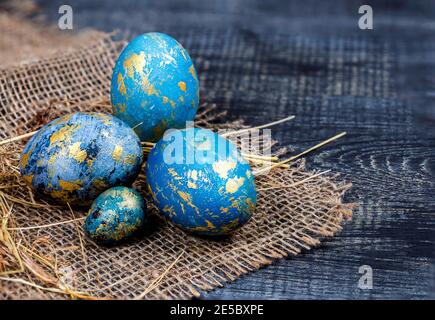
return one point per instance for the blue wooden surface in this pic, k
(262, 60)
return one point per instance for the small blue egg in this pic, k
(201, 182)
(76, 157)
(154, 86)
(115, 215)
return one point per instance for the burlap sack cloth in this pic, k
(43, 254)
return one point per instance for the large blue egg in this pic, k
(154, 86)
(115, 215)
(200, 182)
(76, 157)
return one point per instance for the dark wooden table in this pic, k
(263, 60)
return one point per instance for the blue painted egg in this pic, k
(201, 182)
(76, 157)
(154, 86)
(115, 215)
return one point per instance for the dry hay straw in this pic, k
(44, 253)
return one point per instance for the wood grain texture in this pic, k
(266, 60)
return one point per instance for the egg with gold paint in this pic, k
(115, 215)
(76, 157)
(154, 86)
(201, 182)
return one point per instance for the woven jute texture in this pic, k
(44, 253)
(21, 41)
